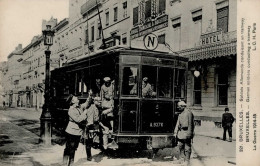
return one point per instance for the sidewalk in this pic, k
(208, 148)
(209, 129)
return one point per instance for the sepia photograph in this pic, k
(129, 82)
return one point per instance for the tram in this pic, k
(141, 121)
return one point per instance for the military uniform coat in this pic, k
(185, 125)
(76, 116)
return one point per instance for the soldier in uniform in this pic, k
(227, 121)
(107, 99)
(184, 132)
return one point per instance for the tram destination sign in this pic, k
(150, 41)
(149, 26)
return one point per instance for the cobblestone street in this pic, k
(20, 146)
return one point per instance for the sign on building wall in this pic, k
(150, 41)
(211, 38)
(149, 27)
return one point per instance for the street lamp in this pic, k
(46, 114)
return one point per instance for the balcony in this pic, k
(89, 5)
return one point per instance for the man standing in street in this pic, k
(227, 121)
(184, 132)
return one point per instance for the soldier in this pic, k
(184, 132)
(107, 98)
(147, 90)
(227, 121)
(74, 128)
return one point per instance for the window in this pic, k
(165, 82)
(176, 23)
(135, 16)
(179, 85)
(129, 85)
(99, 30)
(124, 41)
(107, 18)
(197, 28)
(149, 81)
(197, 91)
(161, 39)
(162, 5)
(86, 37)
(125, 9)
(222, 87)
(115, 14)
(92, 33)
(147, 9)
(222, 19)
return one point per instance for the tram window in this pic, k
(149, 81)
(129, 86)
(179, 85)
(165, 82)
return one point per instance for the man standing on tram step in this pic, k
(227, 121)
(92, 120)
(107, 99)
(184, 132)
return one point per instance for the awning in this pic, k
(211, 51)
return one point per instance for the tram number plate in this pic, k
(156, 124)
(128, 140)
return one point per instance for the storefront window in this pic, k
(222, 88)
(129, 86)
(165, 82)
(197, 90)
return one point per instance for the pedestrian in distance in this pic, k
(184, 133)
(227, 121)
(74, 128)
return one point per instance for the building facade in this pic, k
(203, 31)
(13, 77)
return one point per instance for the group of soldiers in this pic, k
(87, 119)
(98, 111)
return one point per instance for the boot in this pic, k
(89, 156)
(230, 139)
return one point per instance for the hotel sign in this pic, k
(149, 26)
(211, 38)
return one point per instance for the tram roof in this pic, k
(127, 51)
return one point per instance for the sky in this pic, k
(20, 20)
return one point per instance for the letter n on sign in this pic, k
(150, 41)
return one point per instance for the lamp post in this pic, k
(46, 114)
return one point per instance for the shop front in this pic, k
(211, 83)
